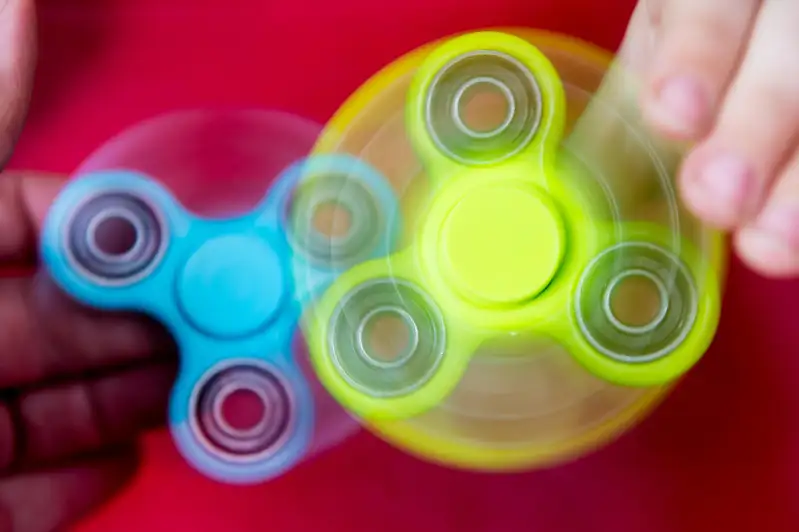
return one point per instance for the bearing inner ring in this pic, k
(443, 102)
(119, 214)
(349, 351)
(363, 332)
(663, 298)
(263, 438)
(344, 191)
(673, 321)
(457, 104)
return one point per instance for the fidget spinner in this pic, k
(229, 288)
(505, 332)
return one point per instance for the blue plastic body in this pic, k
(229, 290)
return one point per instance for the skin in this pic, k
(723, 76)
(77, 387)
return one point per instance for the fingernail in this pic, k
(780, 223)
(728, 179)
(680, 107)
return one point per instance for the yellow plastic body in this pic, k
(468, 249)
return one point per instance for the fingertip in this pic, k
(767, 254)
(718, 187)
(698, 50)
(677, 108)
(770, 245)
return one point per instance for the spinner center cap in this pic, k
(232, 285)
(502, 244)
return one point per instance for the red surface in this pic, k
(721, 454)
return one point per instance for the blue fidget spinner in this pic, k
(231, 291)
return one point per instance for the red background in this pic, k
(722, 453)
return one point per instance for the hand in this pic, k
(724, 75)
(76, 386)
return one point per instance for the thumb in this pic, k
(17, 61)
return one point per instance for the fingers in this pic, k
(47, 425)
(44, 335)
(53, 500)
(610, 138)
(24, 201)
(17, 60)
(726, 179)
(699, 47)
(725, 76)
(638, 44)
(770, 243)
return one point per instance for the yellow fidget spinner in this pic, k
(548, 289)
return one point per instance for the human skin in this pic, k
(77, 387)
(724, 77)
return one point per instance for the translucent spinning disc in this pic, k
(548, 290)
(184, 217)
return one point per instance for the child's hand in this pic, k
(725, 74)
(76, 387)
